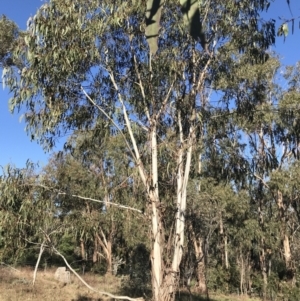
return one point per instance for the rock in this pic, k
(62, 275)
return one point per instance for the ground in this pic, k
(16, 285)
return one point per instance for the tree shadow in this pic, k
(85, 298)
(186, 296)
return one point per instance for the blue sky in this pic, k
(15, 145)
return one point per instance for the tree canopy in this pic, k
(182, 131)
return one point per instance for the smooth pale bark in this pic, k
(83, 255)
(225, 243)
(262, 256)
(106, 246)
(42, 248)
(184, 163)
(156, 255)
(226, 251)
(284, 235)
(152, 191)
(164, 287)
(184, 158)
(82, 250)
(95, 253)
(287, 250)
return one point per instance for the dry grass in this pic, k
(185, 296)
(16, 285)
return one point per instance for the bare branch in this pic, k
(259, 178)
(42, 248)
(101, 110)
(164, 103)
(88, 199)
(90, 287)
(141, 87)
(103, 202)
(133, 141)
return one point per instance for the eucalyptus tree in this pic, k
(26, 213)
(286, 132)
(266, 118)
(88, 63)
(97, 195)
(254, 90)
(8, 35)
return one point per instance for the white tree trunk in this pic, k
(156, 254)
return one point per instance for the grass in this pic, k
(185, 296)
(16, 285)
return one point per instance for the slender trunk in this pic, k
(249, 279)
(198, 245)
(42, 248)
(95, 253)
(82, 250)
(242, 274)
(224, 243)
(284, 235)
(171, 280)
(156, 254)
(263, 265)
(83, 255)
(109, 258)
(106, 245)
(287, 250)
(226, 251)
(201, 273)
(262, 256)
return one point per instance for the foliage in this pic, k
(8, 35)
(186, 129)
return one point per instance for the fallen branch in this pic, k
(42, 248)
(77, 275)
(88, 286)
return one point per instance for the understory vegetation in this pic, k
(179, 173)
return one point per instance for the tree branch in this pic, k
(133, 141)
(89, 199)
(42, 248)
(259, 178)
(101, 110)
(86, 284)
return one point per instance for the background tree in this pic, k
(98, 70)
(94, 180)
(8, 35)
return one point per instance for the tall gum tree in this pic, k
(88, 62)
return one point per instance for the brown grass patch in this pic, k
(16, 285)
